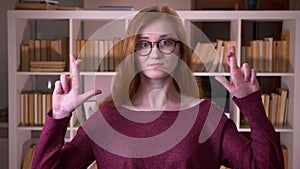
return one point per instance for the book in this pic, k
(249, 56)
(47, 64)
(81, 54)
(96, 55)
(117, 51)
(101, 56)
(31, 109)
(87, 55)
(269, 53)
(44, 107)
(111, 57)
(273, 107)
(35, 6)
(105, 55)
(285, 35)
(285, 156)
(40, 69)
(42, 1)
(38, 109)
(44, 50)
(68, 8)
(26, 108)
(266, 103)
(50, 66)
(255, 54)
(197, 64)
(29, 157)
(37, 50)
(116, 8)
(93, 166)
(55, 50)
(264, 54)
(220, 50)
(65, 52)
(22, 109)
(31, 50)
(281, 112)
(24, 58)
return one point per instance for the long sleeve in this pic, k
(52, 152)
(263, 150)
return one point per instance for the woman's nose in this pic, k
(155, 53)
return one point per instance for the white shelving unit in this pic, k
(18, 33)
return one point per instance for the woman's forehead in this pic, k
(158, 27)
(156, 36)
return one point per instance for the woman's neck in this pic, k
(156, 94)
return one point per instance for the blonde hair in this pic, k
(127, 72)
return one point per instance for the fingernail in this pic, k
(78, 61)
(98, 91)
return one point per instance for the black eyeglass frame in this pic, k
(158, 46)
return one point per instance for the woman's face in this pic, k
(162, 61)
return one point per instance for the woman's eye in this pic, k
(143, 45)
(165, 42)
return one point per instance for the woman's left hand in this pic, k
(243, 80)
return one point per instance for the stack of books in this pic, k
(37, 5)
(47, 66)
(42, 55)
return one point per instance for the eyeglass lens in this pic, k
(165, 46)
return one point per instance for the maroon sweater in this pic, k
(224, 146)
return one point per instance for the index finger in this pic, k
(75, 69)
(231, 59)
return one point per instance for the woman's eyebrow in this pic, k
(160, 37)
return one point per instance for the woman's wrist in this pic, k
(56, 114)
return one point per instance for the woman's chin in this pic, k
(155, 74)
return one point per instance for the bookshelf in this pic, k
(77, 23)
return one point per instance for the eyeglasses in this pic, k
(165, 46)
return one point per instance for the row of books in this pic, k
(267, 55)
(276, 107)
(211, 57)
(45, 55)
(99, 55)
(34, 106)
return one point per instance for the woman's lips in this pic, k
(155, 65)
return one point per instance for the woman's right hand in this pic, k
(66, 95)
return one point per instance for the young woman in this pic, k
(155, 117)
